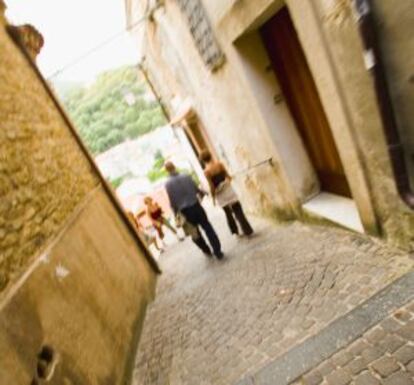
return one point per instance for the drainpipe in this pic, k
(374, 63)
(150, 84)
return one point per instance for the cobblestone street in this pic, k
(219, 322)
(382, 356)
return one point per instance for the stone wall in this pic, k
(85, 299)
(74, 280)
(43, 174)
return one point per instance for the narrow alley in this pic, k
(116, 130)
(224, 322)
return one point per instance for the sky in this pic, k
(73, 27)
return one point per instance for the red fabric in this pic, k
(136, 205)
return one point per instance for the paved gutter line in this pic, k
(339, 334)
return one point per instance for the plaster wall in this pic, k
(318, 24)
(349, 98)
(85, 298)
(309, 26)
(232, 102)
(233, 120)
(269, 100)
(242, 17)
(395, 28)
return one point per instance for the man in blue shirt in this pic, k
(183, 194)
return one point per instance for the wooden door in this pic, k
(198, 137)
(298, 86)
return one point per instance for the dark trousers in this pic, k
(236, 210)
(198, 217)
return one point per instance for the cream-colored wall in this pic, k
(308, 23)
(348, 95)
(85, 298)
(329, 36)
(395, 29)
(243, 17)
(234, 123)
(227, 100)
(268, 98)
(217, 8)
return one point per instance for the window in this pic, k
(202, 33)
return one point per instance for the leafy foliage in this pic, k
(157, 171)
(112, 109)
(118, 181)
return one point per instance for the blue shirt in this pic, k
(182, 191)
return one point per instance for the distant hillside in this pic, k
(114, 108)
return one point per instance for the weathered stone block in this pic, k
(385, 366)
(338, 377)
(356, 366)
(366, 378)
(405, 354)
(400, 378)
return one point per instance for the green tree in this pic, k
(157, 171)
(102, 114)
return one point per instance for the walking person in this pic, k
(222, 192)
(183, 194)
(147, 238)
(158, 219)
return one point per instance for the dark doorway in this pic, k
(298, 86)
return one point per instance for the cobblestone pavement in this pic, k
(382, 356)
(213, 321)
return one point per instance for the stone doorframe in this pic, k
(190, 122)
(244, 18)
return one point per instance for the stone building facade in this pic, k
(74, 278)
(286, 94)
